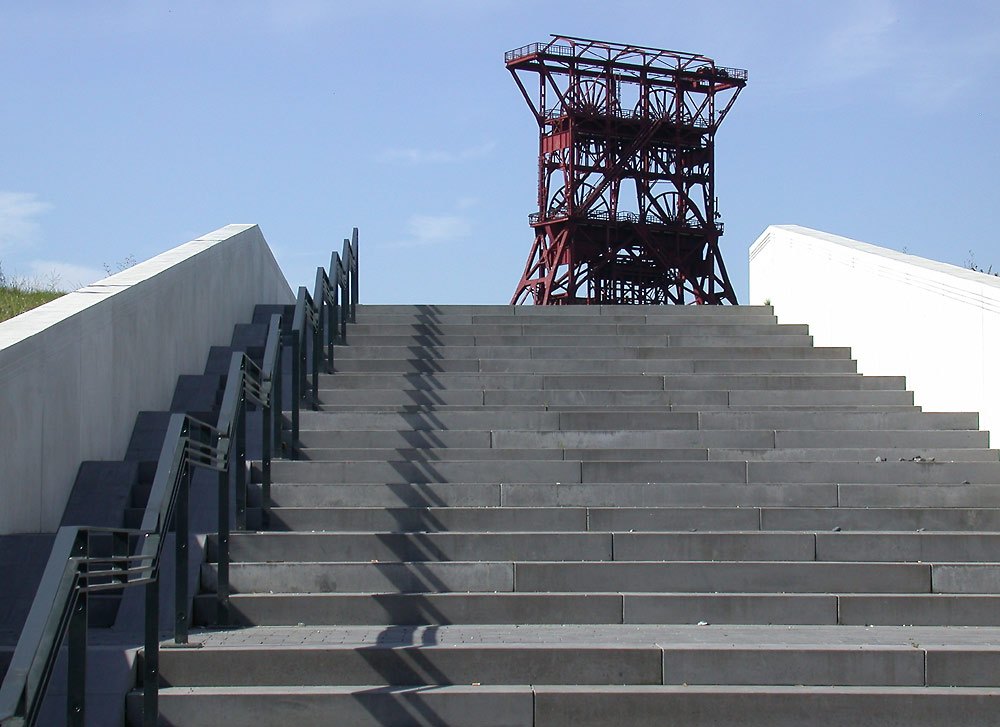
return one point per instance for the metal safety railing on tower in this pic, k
(86, 560)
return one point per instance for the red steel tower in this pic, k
(622, 125)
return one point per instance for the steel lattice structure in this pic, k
(622, 125)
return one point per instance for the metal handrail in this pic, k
(59, 610)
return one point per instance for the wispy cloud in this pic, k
(880, 42)
(18, 217)
(435, 156)
(430, 228)
(62, 275)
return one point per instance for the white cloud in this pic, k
(429, 228)
(435, 156)
(18, 213)
(864, 43)
(63, 276)
(433, 230)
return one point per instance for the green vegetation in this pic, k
(18, 296)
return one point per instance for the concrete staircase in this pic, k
(605, 515)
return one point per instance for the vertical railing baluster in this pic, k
(296, 392)
(317, 350)
(151, 653)
(76, 678)
(265, 459)
(277, 384)
(222, 559)
(239, 462)
(181, 531)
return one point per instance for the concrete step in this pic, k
(610, 397)
(517, 327)
(603, 420)
(554, 663)
(624, 519)
(703, 363)
(615, 381)
(599, 546)
(614, 577)
(346, 609)
(488, 336)
(769, 454)
(688, 348)
(551, 706)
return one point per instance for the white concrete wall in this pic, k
(75, 372)
(937, 324)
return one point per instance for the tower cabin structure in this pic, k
(622, 125)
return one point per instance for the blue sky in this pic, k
(131, 127)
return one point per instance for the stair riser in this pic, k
(575, 382)
(695, 577)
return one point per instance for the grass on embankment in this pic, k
(15, 300)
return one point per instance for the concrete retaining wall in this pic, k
(75, 372)
(937, 324)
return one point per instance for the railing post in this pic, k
(151, 655)
(344, 293)
(317, 351)
(239, 461)
(181, 555)
(76, 678)
(222, 560)
(354, 275)
(296, 391)
(265, 459)
(329, 304)
(277, 386)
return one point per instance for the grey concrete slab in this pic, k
(415, 547)
(385, 495)
(714, 546)
(875, 472)
(630, 439)
(667, 495)
(853, 454)
(431, 519)
(920, 610)
(628, 471)
(719, 608)
(420, 608)
(403, 472)
(444, 420)
(416, 665)
(912, 547)
(651, 519)
(405, 365)
(967, 667)
(757, 707)
(966, 578)
(869, 495)
(429, 454)
(364, 577)
(740, 577)
(708, 365)
(945, 438)
(881, 518)
(369, 706)
(805, 665)
(825, 398)
(403, 438)
(839, 420)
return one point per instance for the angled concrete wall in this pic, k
(937, 324)
(75, 372)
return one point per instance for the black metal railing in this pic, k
(86, 560)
